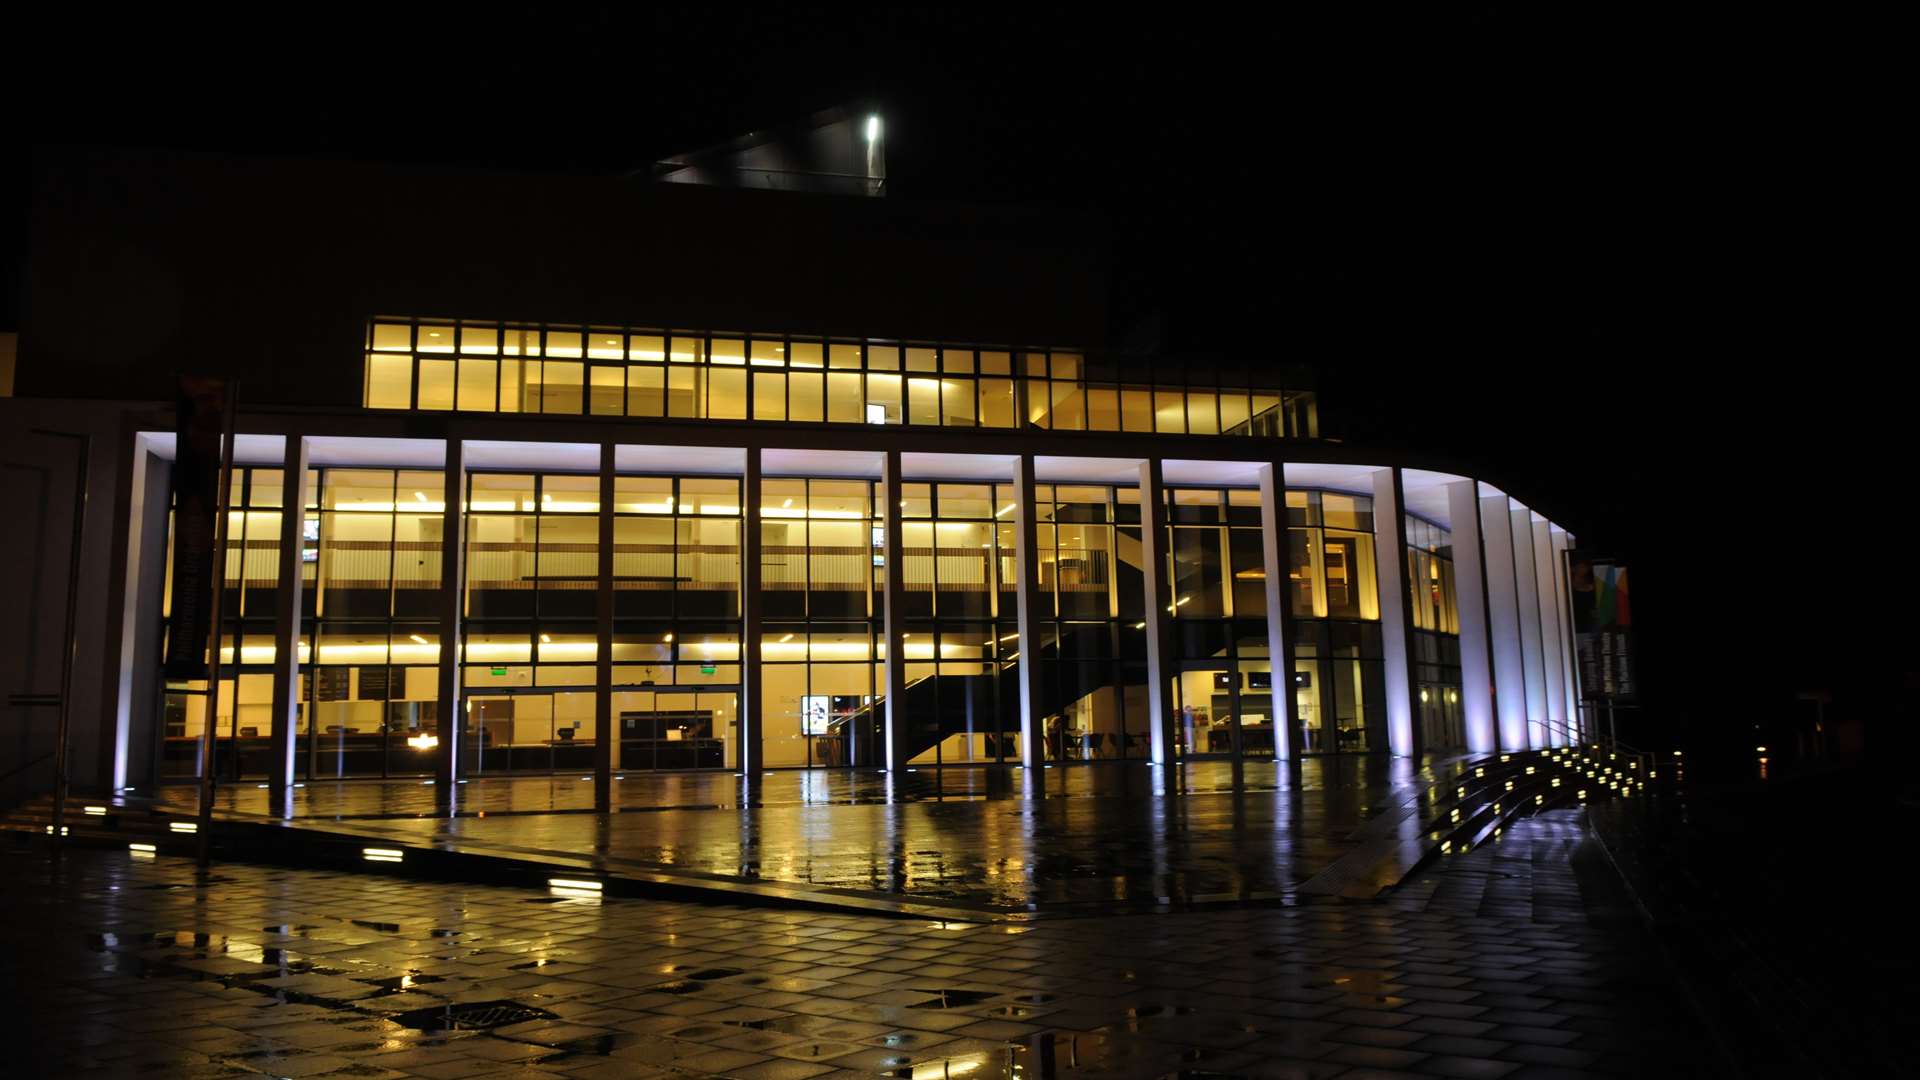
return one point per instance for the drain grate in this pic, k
(953, 999)
(470, 1016)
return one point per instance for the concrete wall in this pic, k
(144, 264)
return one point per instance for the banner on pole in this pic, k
(1602, 627)
(200, 420)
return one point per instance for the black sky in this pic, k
(1521, 236)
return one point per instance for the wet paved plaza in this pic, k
(970, 839)
(1518, 960)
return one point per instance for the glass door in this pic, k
(1255, 712)
(1206, 703)
(537, 732)
(677, 729)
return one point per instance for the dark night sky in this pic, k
(1519, 236)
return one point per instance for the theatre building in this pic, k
(747, 464)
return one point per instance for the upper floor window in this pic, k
(447, 366)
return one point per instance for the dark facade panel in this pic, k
(146, 264)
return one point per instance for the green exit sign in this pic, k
(498, 670)
(706, 669)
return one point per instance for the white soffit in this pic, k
(335, 450)
(960, 466)
(247, 449)
(673, 460)
(1426, 495)
(1176, 473)
(852, 464)
(1353, 479)
(531, 456)
(1121, 472)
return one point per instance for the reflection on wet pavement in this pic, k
(1494, 964)
(1101, 835)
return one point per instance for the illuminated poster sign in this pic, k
(814, 712)
(1602, 627)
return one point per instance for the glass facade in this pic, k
(447, 366)
(1339, 671)
(820, 572)
(1436, 634)
(1223, 690)
(534, 564)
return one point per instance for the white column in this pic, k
(1526, 594)
(1390, 563)
(1153, 559)
(286, 657)
(1273, 558)
(450, 708)
(1503, 622)
(893, 618)
(1470, 581)
(1570, 681)
(1550, 633)
(752, 690)
(1027, 613)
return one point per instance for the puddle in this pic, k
(1138, 1013)
(399, 984)
(710, 974)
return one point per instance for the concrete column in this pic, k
(1470, 581)
(1570, 667)
(1274, 551)
(1029, 615)
(752, 609)
(286, 630)
(1396, 614)
(1526, 593)
(894, 618)
(1550, 635)
(1153, 556)
(1503, 621)
(452, 592)
(606, 747)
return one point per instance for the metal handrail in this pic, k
(28, 765)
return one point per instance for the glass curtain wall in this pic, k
(370, 564)
(676, 634)
(1339, 672)
(1436, 633)
(532, 579)
(961, 635)
(820, 573)
(250, 604)
(1223, 678)
(1091, 664)
(440, 365)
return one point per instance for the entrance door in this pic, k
(677, 729)
(535, 732)
(1206, 703)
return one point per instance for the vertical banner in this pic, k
(200, 419)
(1603, 627)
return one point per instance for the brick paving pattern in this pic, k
(1512, 961)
